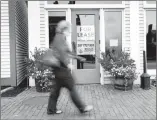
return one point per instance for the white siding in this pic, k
(5, 42)
(42, 25)
(127, 44)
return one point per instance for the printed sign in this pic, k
(86, 48)
(114, 42)
(85, 40)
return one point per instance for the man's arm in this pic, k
(74, 56)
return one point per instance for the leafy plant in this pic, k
(118, 64)
(37, 70)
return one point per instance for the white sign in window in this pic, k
(85, 40)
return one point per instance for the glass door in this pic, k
(85, 42)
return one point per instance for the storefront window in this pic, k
(151, 39)
(113, 30)
(87, 2)
(54, 18)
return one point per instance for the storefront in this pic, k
(96, 26)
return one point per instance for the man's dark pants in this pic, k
(65, 79)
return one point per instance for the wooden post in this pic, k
(144, 62)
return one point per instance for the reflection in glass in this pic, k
(151, 39)
(85, 44)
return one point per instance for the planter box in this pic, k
(119, 83)
(39, 87)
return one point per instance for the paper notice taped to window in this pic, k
(113, 42)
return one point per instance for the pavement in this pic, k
(108, 104)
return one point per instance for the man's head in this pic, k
(63, 27)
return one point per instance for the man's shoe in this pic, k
(87, 108)
(56, 112)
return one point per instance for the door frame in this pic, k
(97, 37)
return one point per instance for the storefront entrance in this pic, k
(85, 43)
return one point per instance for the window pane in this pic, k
(85, 45)
(151, 2)
(151, 19)
(113, 30)
(151, 39)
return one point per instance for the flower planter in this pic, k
(37, 85)
(40, 88)
(119, 83)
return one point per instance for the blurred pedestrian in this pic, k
(63, 76)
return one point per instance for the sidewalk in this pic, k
(108, 104)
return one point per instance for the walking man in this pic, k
(63, 76)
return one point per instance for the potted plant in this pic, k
(42, 74)
(121, 67)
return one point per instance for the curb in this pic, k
(5, 90)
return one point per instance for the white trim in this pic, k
(102, 41)
(123, 29)
(57, 9)
(85, 6)
(144, 17)
(134, 34)
(45, 3)
(69, 19)
(149, 6)
(145, 26)
(123, 3)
